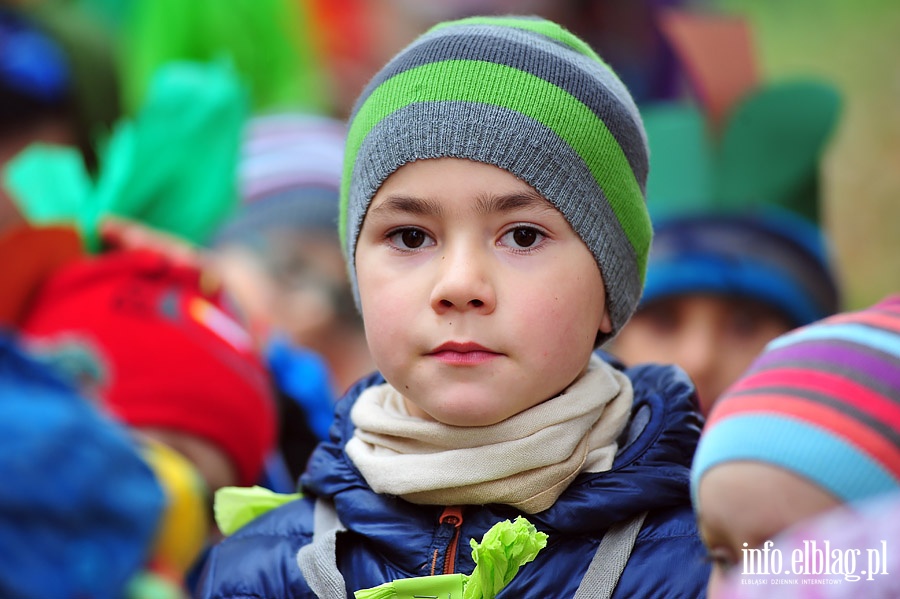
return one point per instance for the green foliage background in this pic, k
(855, 44)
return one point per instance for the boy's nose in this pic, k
(463, 283)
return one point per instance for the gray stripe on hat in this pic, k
(542, 57)
(296, 210)
(505, 138)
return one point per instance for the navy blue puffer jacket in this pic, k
(389, 538)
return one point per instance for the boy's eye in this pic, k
(521, 237)
(410, 238)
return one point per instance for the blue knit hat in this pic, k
(79, 507)
(772, 256)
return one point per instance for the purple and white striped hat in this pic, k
(289, 175)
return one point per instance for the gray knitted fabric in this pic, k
(527, 96)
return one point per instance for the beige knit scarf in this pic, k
(526, 461)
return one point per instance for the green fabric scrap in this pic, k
(50, 185)
(270, 43)
(768, 154)
(505, 548)
(173, 167)
(682, 159)
(773, 146)
(444, 586)
(235, 507)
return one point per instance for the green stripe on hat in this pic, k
(586, 79)
(576, 135)
(490, 83)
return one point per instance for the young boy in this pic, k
(813, 424)
(494, 221)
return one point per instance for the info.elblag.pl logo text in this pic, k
(816, 558)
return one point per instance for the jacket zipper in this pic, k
(452, 515)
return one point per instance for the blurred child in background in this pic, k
(280, 258)
(146, 335)
(813, 424)
(276, 248)
(80, 507)
(738, 255)
(58, 79)
(141, 337)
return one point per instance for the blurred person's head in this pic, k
(58, 79)
(721, 286)
(142, 336)
(35, 87)
(280, 255)
(814, 423)
(738, 255)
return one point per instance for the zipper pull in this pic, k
(452, 516)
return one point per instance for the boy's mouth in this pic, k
(463, 353)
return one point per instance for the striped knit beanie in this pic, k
(289, 176)
(822, 402)
(523, 94)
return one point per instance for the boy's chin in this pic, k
(468, 411)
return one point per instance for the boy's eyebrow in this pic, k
(484, 204)
(409, 205)
(494, 204)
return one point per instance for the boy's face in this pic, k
(479, 300)
(750, 502)
(715, 339)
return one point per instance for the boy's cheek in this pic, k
(386, 322)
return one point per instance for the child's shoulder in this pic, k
(253, 558)
(668, 381)
(665, 421)
(292, 519)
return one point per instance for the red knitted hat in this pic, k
(161, 352)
